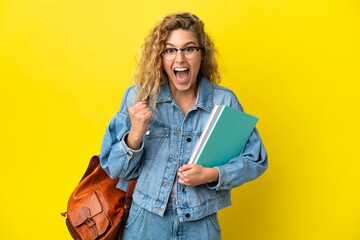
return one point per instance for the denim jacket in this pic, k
(168, 144)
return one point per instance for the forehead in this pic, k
(181, 37)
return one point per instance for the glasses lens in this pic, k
(169, 53)
(189, 52)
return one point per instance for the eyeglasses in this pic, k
(188, 52)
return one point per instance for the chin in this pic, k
(186, 86)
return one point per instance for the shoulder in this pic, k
(223, 90)
(129, 97)
(224, 95)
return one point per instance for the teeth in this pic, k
(181, 69)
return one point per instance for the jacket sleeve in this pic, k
(116, 158)
(249, 165)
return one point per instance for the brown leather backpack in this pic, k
(97, 209)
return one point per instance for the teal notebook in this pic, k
(224, 137)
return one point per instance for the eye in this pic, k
(189, 49)
(169, 50)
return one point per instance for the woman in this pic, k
(161, 117)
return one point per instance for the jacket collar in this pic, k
(205, 98)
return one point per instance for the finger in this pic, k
(139, 106)
(186, 167)
(142, 104)
(144, 115)
(182, 176)
(138, 110)
(143, 111)
(181, 181)
(133, 109)
(148, 115)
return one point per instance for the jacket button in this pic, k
(183, 189)
(187, 215)
(188, 139)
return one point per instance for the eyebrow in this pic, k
(186, 44)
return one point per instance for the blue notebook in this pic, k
(224, 137)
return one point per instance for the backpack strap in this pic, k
(94, 162)
(129, 193)
(127, 203)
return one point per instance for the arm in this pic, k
(249, 165)
(122, 148)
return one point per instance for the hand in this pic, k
(192, 175)
(139, 117)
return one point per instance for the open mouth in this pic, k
(181, 74)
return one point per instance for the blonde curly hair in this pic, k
(149, 72)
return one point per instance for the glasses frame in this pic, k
(182, 51)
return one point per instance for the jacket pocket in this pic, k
(154, 139)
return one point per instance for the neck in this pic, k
(186, 100)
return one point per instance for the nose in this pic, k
(179, 57)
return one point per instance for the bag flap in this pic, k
(86, 208)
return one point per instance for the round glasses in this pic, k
(188, 52)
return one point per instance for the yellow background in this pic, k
(293, 63)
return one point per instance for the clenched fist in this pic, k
(139, 117)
